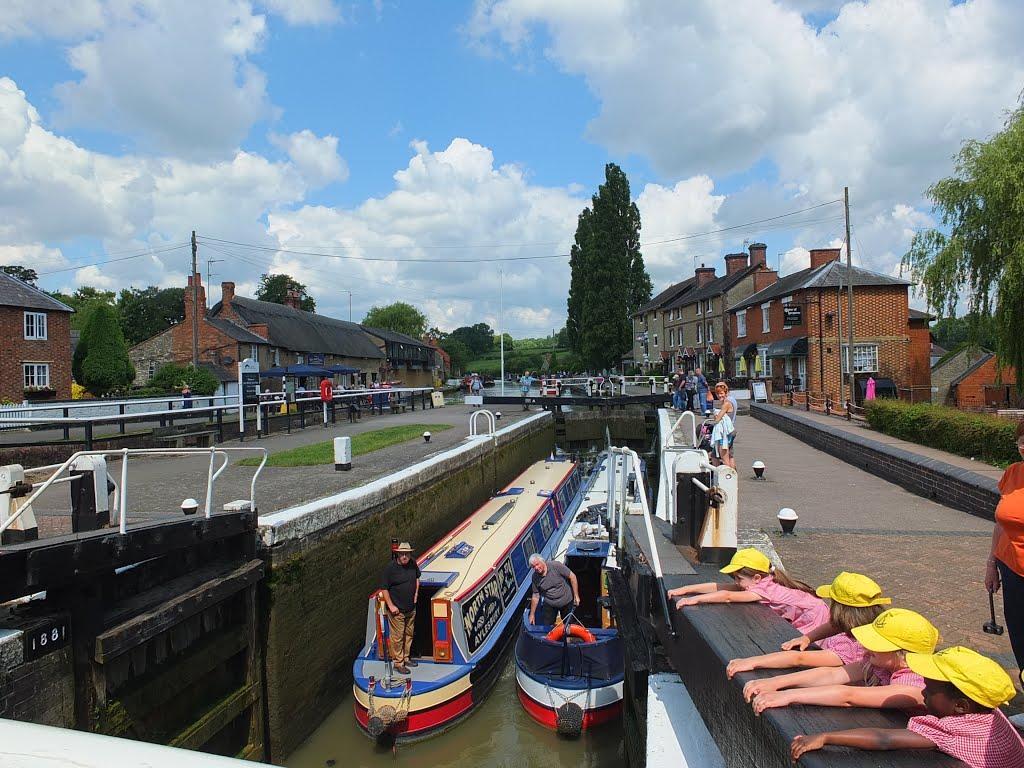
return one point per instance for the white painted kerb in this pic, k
(304, 519)
(676, 734)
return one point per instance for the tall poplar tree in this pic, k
(609, 281)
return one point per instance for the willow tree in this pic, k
(609, 281)
(978, 251)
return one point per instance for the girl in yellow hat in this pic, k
(756, 580)
(883, 680)
(855, 600)
(963, 693)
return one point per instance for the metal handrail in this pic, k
(492, 423)
(693, 418)
(121, 500)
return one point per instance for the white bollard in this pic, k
(342, 454)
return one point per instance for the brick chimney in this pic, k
(735, 262)
(188, 298)
(820, 256)
(763, 278)
(758, 254)
(293, 299)
(227, 293)
(704, 275)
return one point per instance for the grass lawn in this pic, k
(367, 442)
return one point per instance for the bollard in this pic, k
(342, 454)
(787, 519)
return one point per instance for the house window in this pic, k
(655, 339)
(865, 358)
(766, 323)
(709, 305)
(152, 370)
(741, 323)
(35, 325)
(698, 308)
(709, 335)
(300, 359)
(277, 356)
(700, 333)
(762, 352)
(253, 352)
(37, 375)
(671, 337)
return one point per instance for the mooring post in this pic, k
(220, 425)
(88, 435)
(120, 424)
(67, 427)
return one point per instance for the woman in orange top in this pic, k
(1006, 563)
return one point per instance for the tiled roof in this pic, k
(917, 314)
(669, 294)
(302, 331)
(830, 275)
(15, 293)
(716, 287)
(395, 336)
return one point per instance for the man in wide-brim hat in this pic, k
(400, 587)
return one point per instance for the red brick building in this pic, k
(35, 363)
(982, 385)
(793, 330)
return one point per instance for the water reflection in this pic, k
(498, 735)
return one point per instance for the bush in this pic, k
(105, 367)
(987, 438)
(171, 378)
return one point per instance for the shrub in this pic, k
(105, 367)
(988, 438)
(170, 378)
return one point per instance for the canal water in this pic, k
(498, 735)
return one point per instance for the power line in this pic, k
(151, 252)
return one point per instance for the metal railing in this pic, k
(121, 489)
(491, 423)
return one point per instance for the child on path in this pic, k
(963, 692)
(855, 600)
(883, 680)
(755, 580)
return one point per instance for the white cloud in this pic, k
(35, 255)
(49, 18)
(315, 157)
(298, 12)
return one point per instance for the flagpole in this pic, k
(501, 324)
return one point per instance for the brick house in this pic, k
(981, 385)
(649, 351)
(695, 323)
(237, 327)
(406, 359)
(793, 329)
(36, 328)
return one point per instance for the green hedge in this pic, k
(986, 438)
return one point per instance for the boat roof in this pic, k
(468, 553)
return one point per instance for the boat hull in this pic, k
(542, 698)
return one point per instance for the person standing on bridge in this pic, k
(702, 392)
(525, 381)
(1005, 566)
(554, 582)
(400, 588)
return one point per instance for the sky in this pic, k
(440, 153)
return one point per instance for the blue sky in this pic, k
(415, 130)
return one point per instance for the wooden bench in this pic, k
(184, 435)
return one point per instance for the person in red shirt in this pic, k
(963, 692)
(1005, 565)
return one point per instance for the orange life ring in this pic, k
(575, 630)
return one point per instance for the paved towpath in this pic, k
(929, 557)
(158, 486)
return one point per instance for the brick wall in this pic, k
(971, 392)
(40, 691)
(157, 350)
(55, 350)
(920, 360)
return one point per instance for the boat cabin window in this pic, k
(423, 632)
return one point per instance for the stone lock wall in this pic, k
(321, 578)
(37, 691)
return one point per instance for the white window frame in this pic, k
(762, 352)
(698, 309)
(655, 339)
(709, 306)
(671, 337)
(700, 333)
(741, 323)
(865, 358)
(709, 333)
(766, 317)
(31, 378)
(37, 321)
(152, 369)
(254, 352)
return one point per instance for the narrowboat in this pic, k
(569, 676)
(473, 585)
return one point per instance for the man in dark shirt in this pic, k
(401, 587)
(554, 582)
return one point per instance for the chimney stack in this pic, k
(763, 278)
(758, 254)
(704, 275)
(188, 298)
(293, 299)
(820, 256)
(227, 293)
(735, 262)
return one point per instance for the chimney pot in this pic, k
(704, 275)
(227, 292)
(735, 262)
(758, 254)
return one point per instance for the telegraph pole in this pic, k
(195, 304)
(849, 300)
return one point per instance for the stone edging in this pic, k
(933, 479)
(305, 519)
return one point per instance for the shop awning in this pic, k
(796, 347)
(715, 349)
(750, 351)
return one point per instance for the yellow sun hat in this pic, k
(977, 677)
(748, 558)
(853, 589)
(898, 630)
